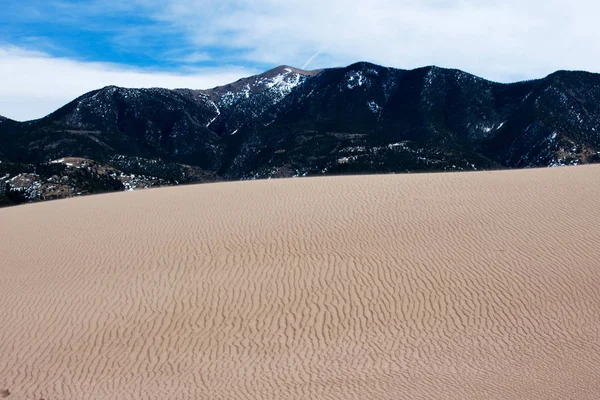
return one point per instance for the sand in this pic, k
(480, 285)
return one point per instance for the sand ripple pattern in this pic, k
(443, 286)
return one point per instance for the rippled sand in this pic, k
(441, 286)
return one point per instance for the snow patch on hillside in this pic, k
(216, 116)
(354, 79)
(282, 84)
(275, 88)
(374, 107)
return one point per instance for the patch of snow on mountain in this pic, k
(282, 84)
(346, 160)
(216, 116)
(275, 88)
(246, 91)
(398, 144)
(374, 107)
(354, 79)
(227, 99)
(430, 76)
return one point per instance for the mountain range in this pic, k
(287, 122)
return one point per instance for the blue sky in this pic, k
(52, 51)
(103, 32)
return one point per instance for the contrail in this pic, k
(311, 59)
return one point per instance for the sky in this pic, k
(52, 51)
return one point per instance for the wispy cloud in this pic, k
(311, 59)
(499, 40)
(507, 40)
(195, 57)
(34, 84)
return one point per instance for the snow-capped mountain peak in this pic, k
(246, 99)
(277, 83)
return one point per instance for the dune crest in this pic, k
(456, 286)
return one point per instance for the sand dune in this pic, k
(441, 286)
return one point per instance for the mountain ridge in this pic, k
(363, 118)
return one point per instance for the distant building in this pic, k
(3, 186)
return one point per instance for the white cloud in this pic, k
(194, 58)
(507, 40)
(32, 84)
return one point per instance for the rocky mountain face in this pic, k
(358, 119)
(367, 118)
(248, 99)
(184, 125)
